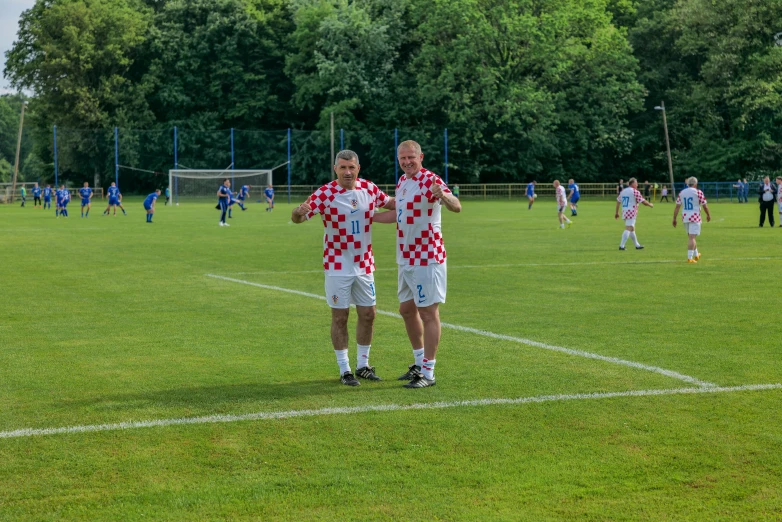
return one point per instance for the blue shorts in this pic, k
(47, 200)
(575, 199)
(113, 201)
(85, 202)
(147, 207)
(64, 204)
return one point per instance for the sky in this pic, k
(10, 10)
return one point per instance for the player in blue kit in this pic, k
(63, 197)
(574, 196)
(47, 197)
(149, 204)
(244, 193)
(531, 194)
(224, 200)
(168, 195)
(269, 193)
(234, 201)
(36, 196)
(115, 200)
(86, 197)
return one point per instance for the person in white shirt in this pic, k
(779, 198)
(559, 192)
(628, 200)
(767, 194)
(691, 200)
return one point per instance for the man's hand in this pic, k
(437, 190)
(299, 213)
(708, 217)
(674, 222)
(616, 216)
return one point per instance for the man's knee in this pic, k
(339, 317)
(366, 314)
(408, 309)
(429, 313)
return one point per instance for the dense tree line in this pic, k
(528, 89)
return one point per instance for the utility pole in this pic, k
(661, 107)
(333, 174)
(18, 150)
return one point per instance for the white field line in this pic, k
(484, 333)
(522, 265)
(348, 410)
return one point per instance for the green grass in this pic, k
(108, 319)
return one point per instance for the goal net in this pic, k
(195, 185)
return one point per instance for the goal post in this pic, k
(200, 185)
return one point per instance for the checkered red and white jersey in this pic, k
(691, 200)
(779, 194)
(347, 219)
(419, 238)
(630, 198)
(561, 197)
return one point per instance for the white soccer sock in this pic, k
(419, 357)
(562, 225)
(362, 359)
(625, 235)
(690, 254)
(342, 361)
(567, 220)
(427, 368)
(635, 239)
(695, 252)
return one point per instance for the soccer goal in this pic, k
(193, 185)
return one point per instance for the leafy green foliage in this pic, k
(527, 88)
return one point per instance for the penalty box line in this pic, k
(347, 410)
(485, 333)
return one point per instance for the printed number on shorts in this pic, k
(421, 295)
(399, 216)
(354, 227)
(687, 203)
(625, 201)
(372, 288)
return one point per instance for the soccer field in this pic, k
(183, 371)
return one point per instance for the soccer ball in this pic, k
(177, 204)
(534, 196)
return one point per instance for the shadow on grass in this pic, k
(214, 397)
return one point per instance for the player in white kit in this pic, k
(420, 256)
(779, 198)
(628, 200)
(559, 192)
(347, 206)
(690, 200)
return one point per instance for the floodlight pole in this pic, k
(341, 139)
(55, 158)
(289, 165)
(396, 161)
(446, 155)
(333, 174)
(233, 165)
(176, 166)
(18, 150)
(661, 107)
(116, 156)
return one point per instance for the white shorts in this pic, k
(560, 209)
(693, 229)
(780, 207)
(630, 222)
(426, 285)
(359, 290)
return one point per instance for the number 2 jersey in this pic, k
(419, 237)
(691, 200)
(347, 219)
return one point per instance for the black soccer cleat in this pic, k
(419, 381)
(621, 248)
(368, 372)
(349, 379)
(412, 371)
(639, 247)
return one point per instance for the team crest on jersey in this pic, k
(335, 298)
(354, 203)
